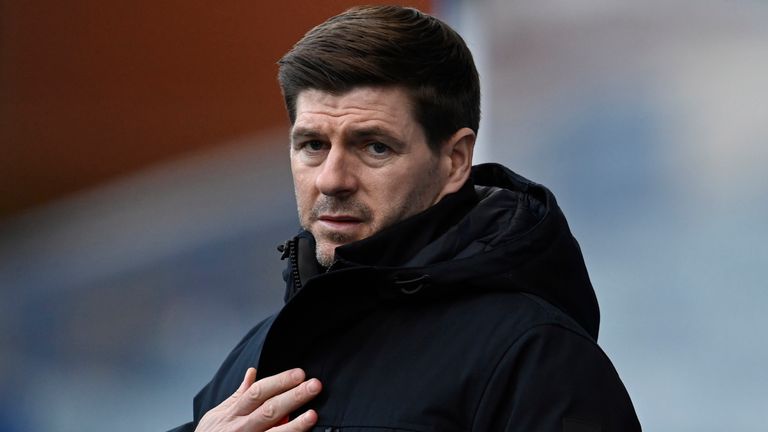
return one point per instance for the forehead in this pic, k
(387, 107)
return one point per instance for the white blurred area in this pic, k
(648, 120)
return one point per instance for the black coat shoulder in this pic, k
(555, 378)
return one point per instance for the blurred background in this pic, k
(144, 185)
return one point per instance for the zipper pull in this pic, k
(284, 249)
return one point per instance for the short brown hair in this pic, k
(389, 46)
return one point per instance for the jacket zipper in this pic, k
(289, 250)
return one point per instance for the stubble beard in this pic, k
(418, 200)
(325, 254)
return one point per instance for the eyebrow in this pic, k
(357, 134)
(304, 132)
(370, 131)
(376, 131)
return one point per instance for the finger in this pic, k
(266, 388)
(301, 423)
(283, 404)
(248, 379)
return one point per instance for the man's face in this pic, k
(360, 162)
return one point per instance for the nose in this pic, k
(337, 176)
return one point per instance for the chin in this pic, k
(325, 258)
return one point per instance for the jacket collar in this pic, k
(499, 232)
(381, 249)
(397, 244)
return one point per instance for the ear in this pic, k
(456, 160)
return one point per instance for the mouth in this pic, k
(339, 222)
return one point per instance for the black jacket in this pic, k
(474, 315)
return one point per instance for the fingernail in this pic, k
(313, 386)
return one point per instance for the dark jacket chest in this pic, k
(408, 365)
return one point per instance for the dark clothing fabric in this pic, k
(474, 315)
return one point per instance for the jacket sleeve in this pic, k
(554, 379)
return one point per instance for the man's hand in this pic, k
(264, 405)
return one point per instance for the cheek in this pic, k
(304, 200)
(302, 184)
(388, 192)
(414, 191)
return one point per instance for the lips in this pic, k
(339, 218)
(339, 222)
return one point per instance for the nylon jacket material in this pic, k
(474, 315)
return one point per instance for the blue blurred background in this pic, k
(145, 185)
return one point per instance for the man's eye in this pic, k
(314, 145)
(378, 148)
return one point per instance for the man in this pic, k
(422, 294)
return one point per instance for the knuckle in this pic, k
(287, 379)
(268, 411)
(291, 378)
(300, 393)
(255, 392)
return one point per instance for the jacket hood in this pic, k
(499, 232)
